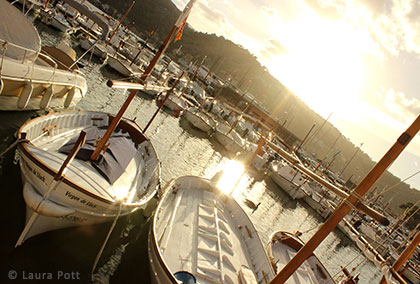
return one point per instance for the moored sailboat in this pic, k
(290, 180)
(200, 119)
(124, 178)
(30, 77)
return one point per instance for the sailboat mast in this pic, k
(119, 24)
(348, 203)
(183, 17)
(192, 77)
(118, 117)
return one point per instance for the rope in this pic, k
(12, 146)
(394, 228)
(105, 242)
(395, 185)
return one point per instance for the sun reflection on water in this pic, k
(231, 176)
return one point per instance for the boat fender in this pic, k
(47, 208)
(25, 95)
(46, 98)
(69, 97)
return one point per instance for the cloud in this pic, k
(212, 15)
(326, 9)
(406, 108)
(272, 47)
(377, 7)
(393, 24)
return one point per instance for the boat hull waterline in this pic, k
(84, 196)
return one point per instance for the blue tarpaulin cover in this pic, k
(111, 163)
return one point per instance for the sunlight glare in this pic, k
(232, 172)
(324, 61)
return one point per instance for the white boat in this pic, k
(173, 102)
(260, 159)
(288, 178)
(200, 119)
(100, 49)
(281, 249)
(57, 20)
(125, 177)
(201, 234)
(319, 203)
(30, 78)
(123, 66)
(228, 137)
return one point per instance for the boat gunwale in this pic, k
(212, 185)
(295, 243)
(23, 147)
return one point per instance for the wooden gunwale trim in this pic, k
(153, 236)
(124, 125)
(48, 170)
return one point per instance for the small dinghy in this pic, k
(281, 249)
(201, 235)
(124, 178)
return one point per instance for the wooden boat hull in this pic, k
(83, 196)
(209, 231)
(283, 246)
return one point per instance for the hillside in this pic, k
(242, 67)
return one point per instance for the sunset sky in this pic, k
(359, 60)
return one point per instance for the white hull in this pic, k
(50, 87)
(123, 67)
(287, 179)
(173, 103)
(319, 204)
(54, 216)
(200, 121)
(84, 196)
(99, 50)
(283, 246)
(62, 26)
(229, 138)
(210, 232)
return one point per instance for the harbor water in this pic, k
(68, 254)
